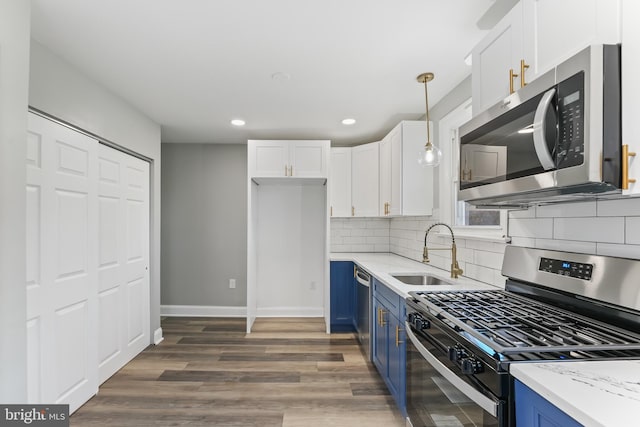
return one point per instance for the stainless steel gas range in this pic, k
(557, 306)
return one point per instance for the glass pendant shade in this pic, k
(429, 156)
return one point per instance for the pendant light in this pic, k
(430, 155)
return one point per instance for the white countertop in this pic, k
(383, 265)
(593, 393)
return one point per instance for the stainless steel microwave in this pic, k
(556, 139)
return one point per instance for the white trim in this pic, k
(290, 312)
(202, 311)
(157, 336)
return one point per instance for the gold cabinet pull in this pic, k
(382, 321)
(512, 76)
(353, 211)
(398, 342)
(354, 271)
(626, 154)
(286, 170)
(378, 314)
(291, 170)
(523, 67)
(331, 211)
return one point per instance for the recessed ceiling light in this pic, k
(348, 122)
(238, 122)
(281, 76)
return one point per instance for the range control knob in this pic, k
(456, 354)
(411, 317)
(421, 324)
(471, 366)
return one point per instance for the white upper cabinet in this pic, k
(405, 187)
(302, 159)
(631, 84)
(496, 57)
(535, 36)
(340, 182)
(364, 180)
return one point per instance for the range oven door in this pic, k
(437, 396)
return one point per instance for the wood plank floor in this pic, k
(208, 372)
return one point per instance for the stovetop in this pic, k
(509, 326)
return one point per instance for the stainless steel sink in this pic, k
(419, 280)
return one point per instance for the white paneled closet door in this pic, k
(123, 259)
(62, 234)
(87, 262)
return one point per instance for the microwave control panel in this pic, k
(570, 150)
(566, 268)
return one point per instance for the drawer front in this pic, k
(393, 301)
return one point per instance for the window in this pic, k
(466, 218)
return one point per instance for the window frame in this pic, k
(449, 143)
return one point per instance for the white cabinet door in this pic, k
(308, 159)
(340, 182)
(631, 84)
(405, 187)
(499, 52)
(268, 158)
(395, 203)
(556, 30)
(62, 237)
(385, 176)
(123, 259)
(303, 159)
(364, 193)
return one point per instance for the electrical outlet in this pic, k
(232, 283)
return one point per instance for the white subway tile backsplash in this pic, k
(579, 209)
(619, 207)
(595, 229)
(498, 279)
(477, 272)
(354, 240)
(488, 259)
(632, 230)
(566, 245)
(525, 242)
(483, 245)
(530, 227)
(623, 251)
(523, 213)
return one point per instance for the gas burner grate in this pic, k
(509, 323)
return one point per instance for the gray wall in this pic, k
(14, 72)
(204, 224)
(59, 89)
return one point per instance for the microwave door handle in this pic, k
(539, 125)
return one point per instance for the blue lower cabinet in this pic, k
(389, 350)
(533, 410)
(343, 296)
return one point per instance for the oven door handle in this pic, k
(363, 278)
(486, 403)
(539, 126)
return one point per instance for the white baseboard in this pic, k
(157, 336)
(201, 311)
(290, 312)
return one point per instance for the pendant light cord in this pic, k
(426, 101)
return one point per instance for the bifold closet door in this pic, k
(87, 262)
(123, 259)
(62, 235)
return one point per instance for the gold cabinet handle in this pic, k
(331, 211)
(286, 170)
(378, 315)
(353, 211)
(512, 76)
(626, 154)
(382, 321)
(398, 342)
(354, 271)
(291, 170)
(523, 67)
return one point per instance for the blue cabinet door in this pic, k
(397, 361)
(380, 343)
(533, 410)
(342, 298)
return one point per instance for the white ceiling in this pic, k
(193, 65)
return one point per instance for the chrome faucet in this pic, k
(455, 268)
